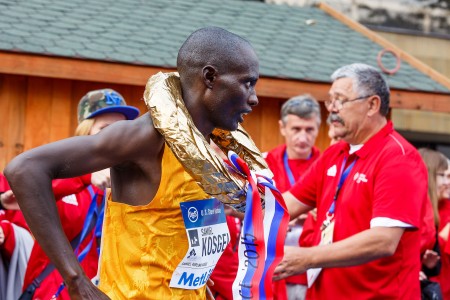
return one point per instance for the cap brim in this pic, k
(130, 112)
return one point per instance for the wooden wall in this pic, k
(262, 124)
(38, 110)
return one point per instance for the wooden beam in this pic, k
(284, 89)
(420, 101)
(287, 88)
(76, 69)
(442, 79)
(107, 72)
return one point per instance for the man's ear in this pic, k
(209, 75)
(282, 127)
(374, 105)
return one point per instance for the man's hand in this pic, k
(8, 200)
(294, 262)
(430, 259)
(422, 276)
(101, 179)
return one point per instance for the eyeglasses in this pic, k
(339, 103)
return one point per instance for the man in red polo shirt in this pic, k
(299, 125)
(368, 189)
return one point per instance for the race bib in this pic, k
(208, 236)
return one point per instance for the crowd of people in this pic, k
(118, 211)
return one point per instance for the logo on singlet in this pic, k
(193, 214)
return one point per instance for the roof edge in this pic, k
(435, 75)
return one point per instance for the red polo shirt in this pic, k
(298, 166)
(388, 180)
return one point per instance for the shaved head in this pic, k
(209, 46)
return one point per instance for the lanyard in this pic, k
(344, 175)
(94, 217)
(288, 169)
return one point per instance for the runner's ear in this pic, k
(209, 75)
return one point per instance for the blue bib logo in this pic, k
(193, 214)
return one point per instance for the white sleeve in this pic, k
(388, 222)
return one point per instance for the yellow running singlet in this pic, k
(142, 245)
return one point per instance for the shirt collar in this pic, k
(373, 143)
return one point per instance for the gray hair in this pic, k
(303, 106)
(367, 81)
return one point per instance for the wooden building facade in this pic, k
(39, 97)
(39, 93)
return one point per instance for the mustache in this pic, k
(334, 118)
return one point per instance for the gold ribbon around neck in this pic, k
(170, 117)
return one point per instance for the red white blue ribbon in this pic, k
(261, 245)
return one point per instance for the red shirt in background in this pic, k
(444, 276)
(227, 266)
(7, 218)
(298, 167)
(73, 203)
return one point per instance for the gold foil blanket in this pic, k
(170, 117)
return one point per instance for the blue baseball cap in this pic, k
(102, 101)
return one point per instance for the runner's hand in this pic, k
(84, 289)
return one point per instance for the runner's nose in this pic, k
(253, 100)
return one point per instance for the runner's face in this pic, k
(233, 95)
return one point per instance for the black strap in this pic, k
(50, 267)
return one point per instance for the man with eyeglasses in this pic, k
(368, 189)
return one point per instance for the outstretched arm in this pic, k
(30, 176)
(294, 206)
(358, 249)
